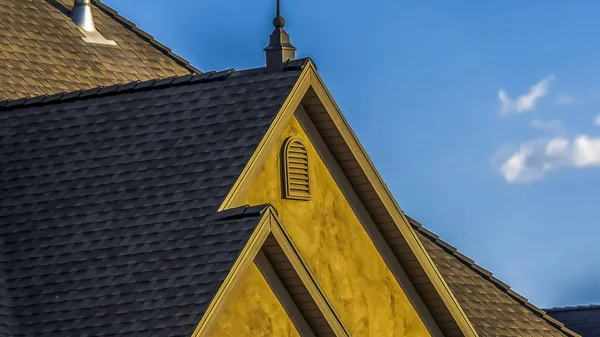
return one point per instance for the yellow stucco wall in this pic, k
(337, 249)
(253, 310)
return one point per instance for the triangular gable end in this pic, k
(311, 105)
(268, 291)
(253, 309)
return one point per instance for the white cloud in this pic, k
(516, 167)
(525, 102)
(553, 126)
(534, 160)
(563, 100)
(506, 104)
(597, 122)
(586, 151)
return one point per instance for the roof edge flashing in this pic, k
(96, 38)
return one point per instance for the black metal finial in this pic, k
(279, 21)
(280, 49)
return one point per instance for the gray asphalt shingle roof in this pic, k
(104, 195)
(585, 320)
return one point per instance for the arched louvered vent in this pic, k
(296, 184)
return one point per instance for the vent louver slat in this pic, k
(295, 160)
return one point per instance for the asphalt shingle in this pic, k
(492, 307)
(103, 200)
(585, 320)
(43, 52)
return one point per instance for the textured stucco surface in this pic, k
(337, 249)
(253, 310)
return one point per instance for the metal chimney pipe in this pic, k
(82, 15)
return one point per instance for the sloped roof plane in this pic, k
(102, 190)
(43, 52)
(585, 319)
(494, 308)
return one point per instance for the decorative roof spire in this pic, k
(280, 49)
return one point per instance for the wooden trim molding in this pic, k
(365, 219)
(251, 253)
(392, 207)
(240, 266)
(284, 297)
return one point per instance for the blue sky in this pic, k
(481, 116)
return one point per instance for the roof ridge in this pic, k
(135, 86)
(490, 277)
(574, 307)
(145, 36)
(116, 89)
